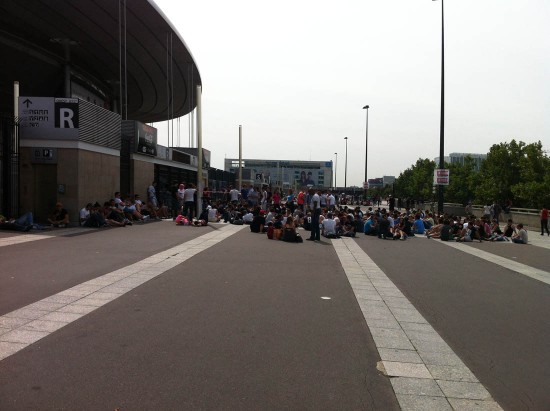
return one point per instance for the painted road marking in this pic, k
(22, 327)
(535, 273)
(426, 373)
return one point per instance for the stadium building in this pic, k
(80, 84)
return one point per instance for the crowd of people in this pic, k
(317, 211)
(400, 226)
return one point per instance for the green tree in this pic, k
(463, 180)
(416, 182)
(515, 171)
(532, 191)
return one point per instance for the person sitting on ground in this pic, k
(95, 217)
(289, 232)
(258, 221)
(328, 229)
(85, 214)
(59, 217)
(464, 236)
(23, 223)
(510, 229)
(384, 231)
(521, 237)
(144, 209)
(114, 212)
(248, 217)
(348, 229)
(446, 231)
(370, 226)
(112, 215)
(277, 227)
(496, 233)
(131, 211)
(213, 215)
(434, 232)
(476, 229)
(418, 225)
(485, 229)
(202, 220)
(429, 221)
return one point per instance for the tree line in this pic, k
(513, 172)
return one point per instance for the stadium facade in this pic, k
(81, 82)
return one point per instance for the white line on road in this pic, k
(535, 273)
(22, 327)
(427, 373)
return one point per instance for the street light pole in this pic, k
(335, 169)
(366, 148)
(442, 119)
(346, 168)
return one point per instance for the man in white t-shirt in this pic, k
(213, 216)
(315, 214)
(329, 226)
(234, 195)
(189, 201)
(85, 213)
(331, 202)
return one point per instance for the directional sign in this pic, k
(48, 118)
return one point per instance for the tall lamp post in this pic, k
(335, 169)
(442, 119)
(346, 168)
(366, 149)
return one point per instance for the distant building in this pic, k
(381, 182)
(459, 158)
(283, 173)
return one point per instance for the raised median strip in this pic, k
(22, 327)
(425, 372)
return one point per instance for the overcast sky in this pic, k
(296, 75)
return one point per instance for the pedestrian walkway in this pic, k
(426, 373)
(25, 326)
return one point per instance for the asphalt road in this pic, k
(243, 325)
(240, 326)
(495, 319)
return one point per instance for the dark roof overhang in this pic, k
(33, 34)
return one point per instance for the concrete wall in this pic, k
(99, 177)
(79, 177)
(144, 174)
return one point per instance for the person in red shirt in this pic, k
(301, 200)
(544, 221)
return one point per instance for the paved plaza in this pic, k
(162, 316)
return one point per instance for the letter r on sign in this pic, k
(66, 117)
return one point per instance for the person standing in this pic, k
(234, 195)
(544, 221)
(315, 214)
(181, 190)
(189, 201)
(152, 194)
(263, 199)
